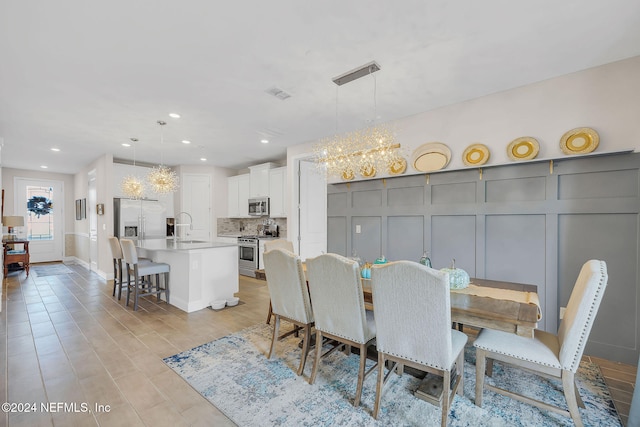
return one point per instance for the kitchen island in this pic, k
(200, 271)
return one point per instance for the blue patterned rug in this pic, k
(234, 374)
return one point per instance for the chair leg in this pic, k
(119, 279)
(128, 284)
(481, 363)
(276, 328)
(446, 399)
(115, 276)
(460, 370)
(166, 286)
(568, 385)
(363, 361)
(305, 348)
(379, 384)
(270, 313)
(136, 277)
(316, 362)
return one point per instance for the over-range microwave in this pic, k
(259, 206)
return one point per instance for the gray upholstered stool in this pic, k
(141, 270)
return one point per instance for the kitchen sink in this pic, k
(192, 241)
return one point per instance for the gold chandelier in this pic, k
(132, 186)
(162, 179)
(364, 151)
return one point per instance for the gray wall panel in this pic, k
(368, 243)
(337, 235)
(410, 196)
(337, 203)
(405, 237)
(454, 237)
(464, 192)
(611, 184)
(603, 236)
(516, 190)
(366, 199)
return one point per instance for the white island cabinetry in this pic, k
(200, 272)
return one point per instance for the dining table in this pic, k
(504, 306)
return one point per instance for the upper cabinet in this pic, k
(238, 196)
(277, 192)
(260, 179)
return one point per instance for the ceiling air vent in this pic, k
(278, 93)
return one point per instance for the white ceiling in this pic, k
(85, 76)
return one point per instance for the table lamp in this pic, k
(11, 222)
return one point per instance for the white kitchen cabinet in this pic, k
(195, 200)
(260, 179)
(238, 196)
(277, 192)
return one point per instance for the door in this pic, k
(196, 201)
(41, 203)
(312, 210)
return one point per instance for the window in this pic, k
(40, 213)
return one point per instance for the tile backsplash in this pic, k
(248, 226)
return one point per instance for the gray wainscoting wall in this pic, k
(528, 223)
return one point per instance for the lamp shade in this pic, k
(13, 221)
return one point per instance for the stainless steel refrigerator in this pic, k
(139, 219)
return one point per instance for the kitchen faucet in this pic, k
(190, 224)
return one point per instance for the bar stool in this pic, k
(142, 287)
(116, 253)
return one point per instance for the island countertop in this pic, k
(180, 245)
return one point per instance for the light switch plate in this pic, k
(358, 229)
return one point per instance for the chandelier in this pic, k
(132, 186)
(365, 151)
(162, 179)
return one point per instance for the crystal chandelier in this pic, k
(364, 151)
(132, 186)
(162, 179)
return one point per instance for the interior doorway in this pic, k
(312, 210)
(93, 220)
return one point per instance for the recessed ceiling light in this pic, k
(174, 115)
(185, 141)
(264, 141)
(126, 144)
(55, 149)
(44, 166)
(204, 159)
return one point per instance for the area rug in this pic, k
(234, 374)
(51, 270)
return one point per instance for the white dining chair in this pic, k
(338, 309)
(140, 286)
(289, 296)
(276, 244)
(549, 355)
(412, 310)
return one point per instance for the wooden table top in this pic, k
(484, 312)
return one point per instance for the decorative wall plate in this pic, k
(368, 171)
(525, 148)
(475, 155)
(430, 157)
(579, 141)
(348, 175)
(398, 167)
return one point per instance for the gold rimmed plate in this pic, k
(525, 148)
(348, 175)
(398, 167)
(431, 157)
(579, 141)
(475, 155)
(368, 171)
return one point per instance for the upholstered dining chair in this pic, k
(338, 309)
(276, 244)
(289, 296)
(549, 355)
(413, 326)
(140, 270)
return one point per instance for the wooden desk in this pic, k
(483, 312)
(17, 257)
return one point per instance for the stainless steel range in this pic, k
(248, 253)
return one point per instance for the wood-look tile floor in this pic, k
(65, 340)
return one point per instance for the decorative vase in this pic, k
(458, 278)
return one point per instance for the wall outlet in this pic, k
(358, 229)
(562, 309)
